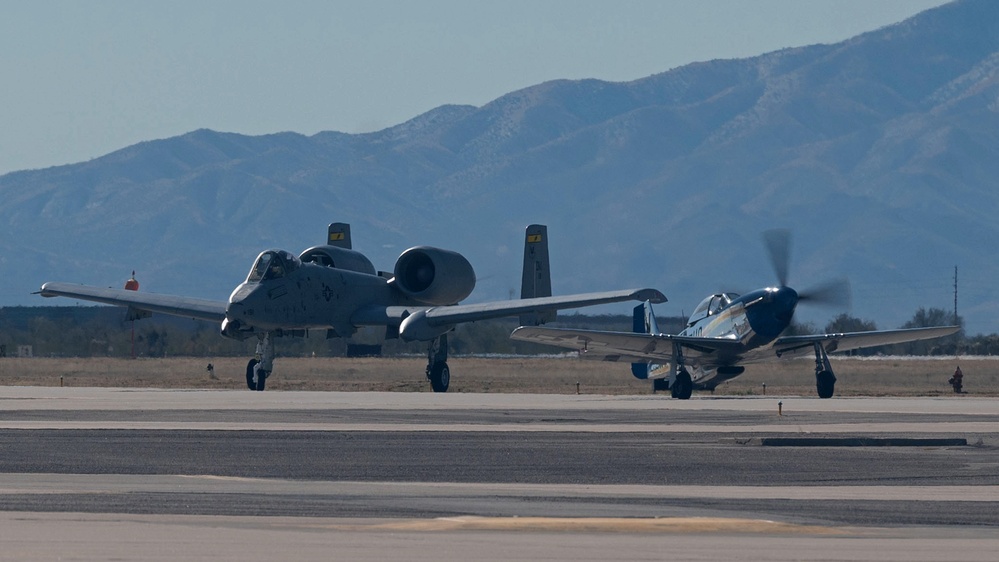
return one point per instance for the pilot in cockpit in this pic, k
(267, 266)
(260, 267)
(718, 302)
(275, 270)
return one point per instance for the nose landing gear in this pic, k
(260, 367)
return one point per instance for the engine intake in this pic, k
(434, 276)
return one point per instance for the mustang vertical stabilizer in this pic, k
(644, 322)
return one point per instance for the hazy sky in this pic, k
(83, 78)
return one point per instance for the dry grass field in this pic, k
(856, 376)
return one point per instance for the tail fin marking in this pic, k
(339, 235)
(536, 279)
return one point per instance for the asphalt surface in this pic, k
(361, 470)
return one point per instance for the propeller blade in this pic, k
(778, 243)
(834, 293)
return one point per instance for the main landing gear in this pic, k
(437, 370)
(260, 367)
(262, 364)
(682, 386)
(825, 380)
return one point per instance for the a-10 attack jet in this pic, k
(725, 332)
(335, 288)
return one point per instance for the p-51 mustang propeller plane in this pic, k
(335, 288)
(725, 332)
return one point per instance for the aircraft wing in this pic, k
(200, 309)
(635, 347)
(629, 346)
(498, 309)
(459, 313)
(858, 340)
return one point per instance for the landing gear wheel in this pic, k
(249, 374)
(659, 384)
(683, 387)
(261, 375)
(440, 377)
(825, 383)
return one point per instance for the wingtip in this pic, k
(654, 296)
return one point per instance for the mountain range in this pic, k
(879, 153)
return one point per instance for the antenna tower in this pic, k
(955, 295)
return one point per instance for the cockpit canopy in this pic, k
(272, 264)
(711, 306)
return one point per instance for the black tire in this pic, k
(440, 377)
(660, 385)
(825, 384)
(684, 386)
(249, 374)
(261, 376)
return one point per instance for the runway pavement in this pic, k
(148, 474)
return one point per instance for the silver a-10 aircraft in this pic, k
(335, 288)
(725, 332)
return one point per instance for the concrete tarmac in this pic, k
(93, 474)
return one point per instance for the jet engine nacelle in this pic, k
(434, 276)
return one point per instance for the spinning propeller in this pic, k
(831, 293)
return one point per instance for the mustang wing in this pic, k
(456, 314)
(634, 347)
(631, 347)
(857, 340)
(186, 307)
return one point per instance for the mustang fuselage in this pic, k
(753, 322)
